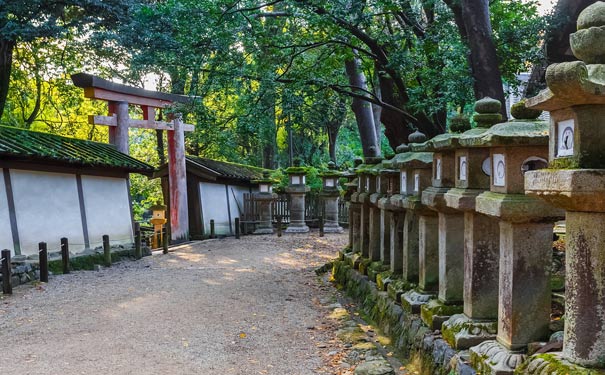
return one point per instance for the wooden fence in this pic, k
(314, 208)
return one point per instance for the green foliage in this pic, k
(268, 81)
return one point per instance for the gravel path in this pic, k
(249, 306)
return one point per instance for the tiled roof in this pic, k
(31, 145)
(227, 169)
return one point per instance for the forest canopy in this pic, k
(272, 80)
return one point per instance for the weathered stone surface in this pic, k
(451, 257)
(525, 293)
(462, 199)
(553, 364)
(461, 332)
(491, 358)
(572, 190)
(375, 367)
(481, 265)
(374, 233)
(410, 247)
(516, 208)
(428, 245)
(584, 303)
(412, 300)
(435, 312)
(396, 241)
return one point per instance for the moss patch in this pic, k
(554, 366)
(87, 262)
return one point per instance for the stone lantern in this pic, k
(390, 255)
(369, 229)
(353, 208)
(450, 232)
(420, 239)
(478, 322)
(297, 191)
(526, 231)
(158, 219)
(575, 181)
(265, 198)
(331, 195)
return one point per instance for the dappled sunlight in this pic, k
(227, 261)
(286, 259)
(190, 257)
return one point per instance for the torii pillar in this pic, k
(119, 97)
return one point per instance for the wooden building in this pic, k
(53, 187)
(215, 191)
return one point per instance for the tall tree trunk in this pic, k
(362, 109)
(483, 58)
(6, 64)
(377, 111)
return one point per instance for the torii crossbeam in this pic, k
(118, 98)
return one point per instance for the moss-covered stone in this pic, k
(487, 105)
(383, 279)
(520, 111)
(364, 264)
(397, 287)
(434, 313)
(553, 364)
(375, 268)
(460, 123)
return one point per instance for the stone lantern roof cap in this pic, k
(265, 179)
(446, 141)
(369, 169)
(296, 170)
(414, 160)
(578, 82)
(158, 207)
(510, 134)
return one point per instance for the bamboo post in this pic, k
(212, 232)
(7, 288)
(164, 241)
(138, 252)
(279, 219)
(106, 251)
(65, 255)
(237, 229)
(43, 256)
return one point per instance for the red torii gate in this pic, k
(118, 98)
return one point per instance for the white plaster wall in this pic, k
(239, 195)
(107, 210)
(47, 208)
(214, 207)
(6, 236)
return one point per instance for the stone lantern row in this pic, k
(459, 228)
(297, 190)
(446, 226)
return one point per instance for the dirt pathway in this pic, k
(249, 306)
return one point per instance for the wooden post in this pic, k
(177, 180)
(118, 135)
(237, 228)
(43, 256)
(279, 219)
(106, 251)
(138, 253)
(164, 241)
(7, 288)
(212, 232)
(321, 225)
(65, 255)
